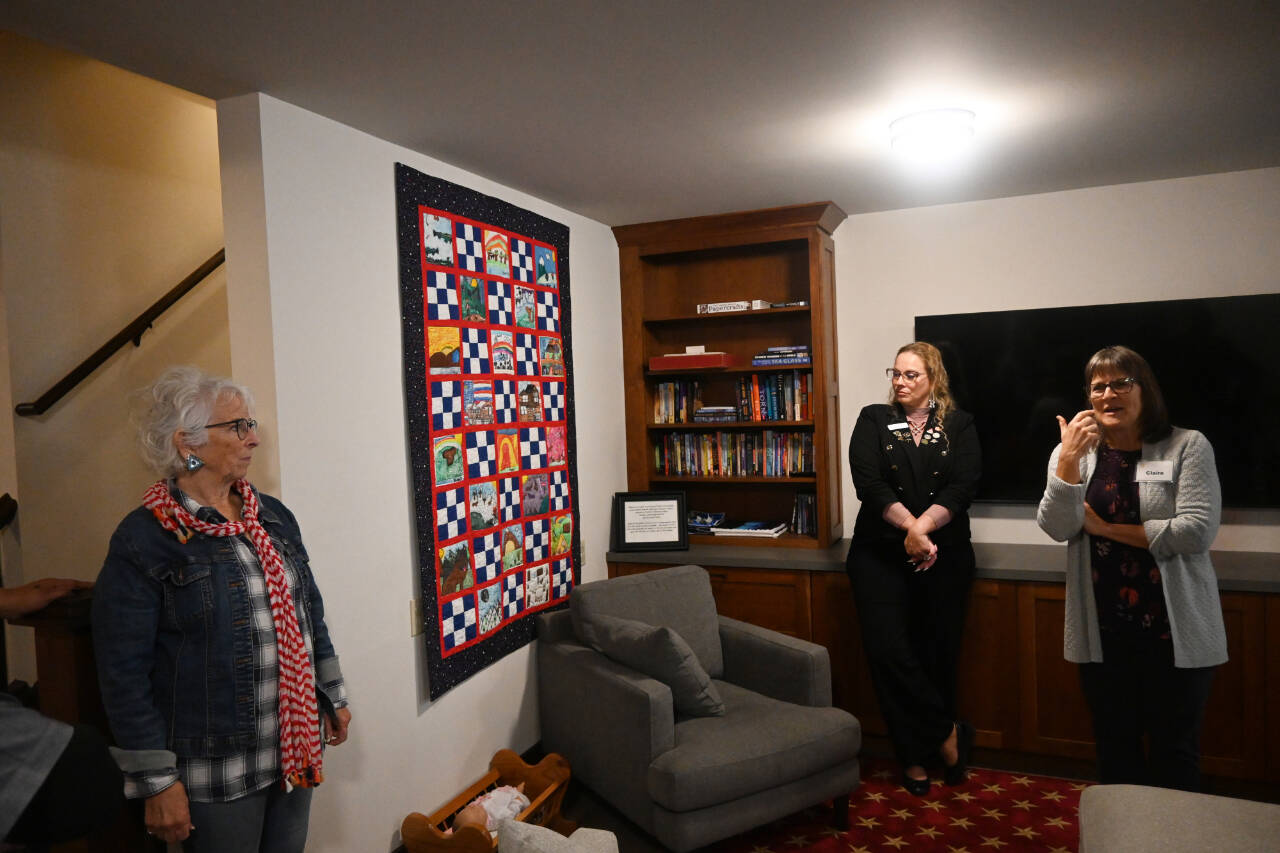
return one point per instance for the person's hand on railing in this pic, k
(30, 597)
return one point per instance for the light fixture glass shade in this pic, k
(931, 133)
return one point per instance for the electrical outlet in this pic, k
(415, 617)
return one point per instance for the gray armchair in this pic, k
(735, 730)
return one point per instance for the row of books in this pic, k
(676, 402)
(804, 514)
(734, 454)
(775, 396)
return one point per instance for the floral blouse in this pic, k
(1126, 580)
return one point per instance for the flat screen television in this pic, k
(1217, 361)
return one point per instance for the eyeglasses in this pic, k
(242, 426)
(1120, 386)
(909, 375)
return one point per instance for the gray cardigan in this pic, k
(1180, 518)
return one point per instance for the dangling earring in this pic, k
(933, 402)
(193, 463)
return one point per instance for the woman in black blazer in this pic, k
(915, 464)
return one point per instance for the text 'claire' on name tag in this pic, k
(902, 425)
(1154, 472)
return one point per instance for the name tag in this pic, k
(1158, 471)
(902, 425)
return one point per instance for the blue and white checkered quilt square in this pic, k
(505, 407)
(501, 310)
(458, 621)
(521, 259)
(512, 594)
(475, 351)
(442, 296)
(482, 455)
(446, 405)
(548, 311)
(469, 242)
(487, 558)
(552, 401)
(509, 498)
(533, 448)
(561, 578)
(559, 490)
(451, 514)
(526, 355)
(537, 540)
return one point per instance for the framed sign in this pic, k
(649, 521)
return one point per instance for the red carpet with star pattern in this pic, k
(993, 811)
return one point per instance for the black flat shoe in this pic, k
(916, 787)
(956, 774)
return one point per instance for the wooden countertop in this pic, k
(1238, 571)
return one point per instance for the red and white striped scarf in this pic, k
(300, 756)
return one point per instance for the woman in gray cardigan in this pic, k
(1138, 503)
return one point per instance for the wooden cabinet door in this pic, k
(1055, 716)
(835, 625)
(1232, 740)
(988, 678)
(771, 599)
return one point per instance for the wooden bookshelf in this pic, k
(782, 254)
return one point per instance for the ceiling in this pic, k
(634, 110)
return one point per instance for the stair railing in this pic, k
(132, 332)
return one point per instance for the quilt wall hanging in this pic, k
(484, 296)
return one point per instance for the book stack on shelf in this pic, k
(675, 402)
(803, 518)
(783, 356)
(775, 396)
(704, 522)
(715, 414)
(734, 454)
(767, 529)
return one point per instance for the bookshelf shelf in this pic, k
(667, 269)
(694, 426)
(771, 481)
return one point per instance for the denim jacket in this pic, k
(172, 636)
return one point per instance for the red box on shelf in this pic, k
(693, 361)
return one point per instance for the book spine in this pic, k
(721, 307)
(779, 361)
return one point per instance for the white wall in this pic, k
(1214, 235)
(332, 282)
(109, 196)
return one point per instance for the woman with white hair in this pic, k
(217, 672)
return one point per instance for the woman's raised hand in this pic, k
(1079, 436)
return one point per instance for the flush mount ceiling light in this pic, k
(932, 134)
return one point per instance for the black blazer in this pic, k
(887, 466)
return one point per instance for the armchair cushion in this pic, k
(658, 652)
(679, 598)
(759, 743)
(517, 837)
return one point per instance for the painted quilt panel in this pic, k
(485, 306)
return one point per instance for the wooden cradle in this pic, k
(544, 784)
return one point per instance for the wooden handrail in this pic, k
(132, 332)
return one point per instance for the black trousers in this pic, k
(83, 792)
(1135, 692)
(912, 624)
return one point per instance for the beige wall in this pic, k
(1212, 235)
(109, 196)
(311, 242)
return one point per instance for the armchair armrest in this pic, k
(774, 664)
(609, 721)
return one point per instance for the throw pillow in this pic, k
(658, 652)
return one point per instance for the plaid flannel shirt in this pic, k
(229, 777)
